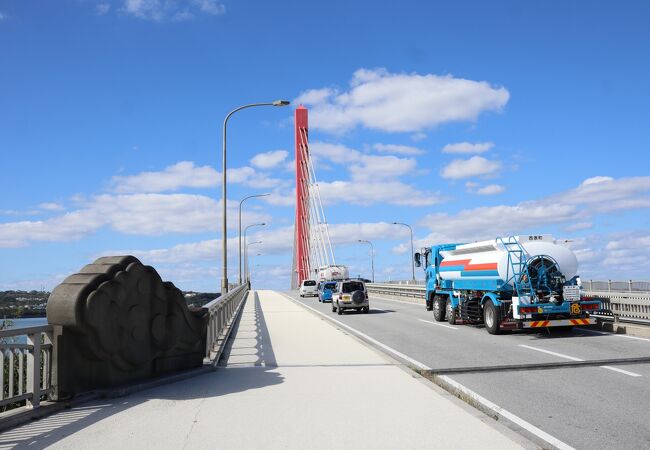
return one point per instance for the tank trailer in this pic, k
(507, 283)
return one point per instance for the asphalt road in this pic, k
(585, 407)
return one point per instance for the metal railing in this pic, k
(221, 313)
(26, 367)
(616, 286)
(624, 306)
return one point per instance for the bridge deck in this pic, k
(291, 380)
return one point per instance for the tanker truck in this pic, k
(332, 273)
(507, 283)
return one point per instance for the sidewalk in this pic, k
(291, 380)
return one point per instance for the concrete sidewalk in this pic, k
(291, 380)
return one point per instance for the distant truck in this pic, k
(332, 273)
(507, 283)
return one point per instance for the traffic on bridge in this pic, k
(324, 225)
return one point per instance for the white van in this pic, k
(308, 287)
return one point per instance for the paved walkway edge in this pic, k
(20, 416)
(528, 434)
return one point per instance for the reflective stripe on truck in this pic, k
(558, 323)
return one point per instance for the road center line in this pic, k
(616, 369)
(559, 355)
(626, 336)
(438, 324)
(572, 358)
(482, 400)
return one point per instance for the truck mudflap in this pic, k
(558, 323)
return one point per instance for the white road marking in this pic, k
(439, 324)
(631, 337)
(626, 336)
(377, 309)
(485, 402)
(394, 300)
(572, 358)
(615, 369)
(508, 415)
(559, 355)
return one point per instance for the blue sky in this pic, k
(465, 119)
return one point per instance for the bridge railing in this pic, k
(26, 362)
(221, 313)
(616, 286)
(624, 305)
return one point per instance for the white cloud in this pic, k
(490, 189)
(398, 149)
(375, 167)
(467, 147)
(213, 7)
(51, 206)
(606, 194)
(596, 180)
(3, 16)
(175, 10)
(315, 96)
(137, 214)
(362, 165)
(371, 192)
(269, 160)
(186, 175)
(572, 207)
(472, 167)
(103, 8)
(402, 102)
(578, 226)
(181, 174)
(373, 178)
(417, 137)
(336, 153)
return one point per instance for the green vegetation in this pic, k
(20, 304)
(17, 304)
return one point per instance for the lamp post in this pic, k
(224, 229)
(246, 266)
(246, 230)
(412, 252)
(240, 204)
(372, 257)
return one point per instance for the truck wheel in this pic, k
(366, 309)
(333, 307)
(340, 310)
(451, 313)
(491, 318)
(439, 308)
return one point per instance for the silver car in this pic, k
(309, 287)
(350, 294)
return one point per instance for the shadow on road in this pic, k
(223, 381)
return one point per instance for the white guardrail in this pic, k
(26, 367)
(221, 313)
(624, 306)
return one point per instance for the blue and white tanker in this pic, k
(510, 282)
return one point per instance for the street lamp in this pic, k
(246, 266)
(224, 229)
(253, 225)
(412, 252)
(240, 203)
(372, 257)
